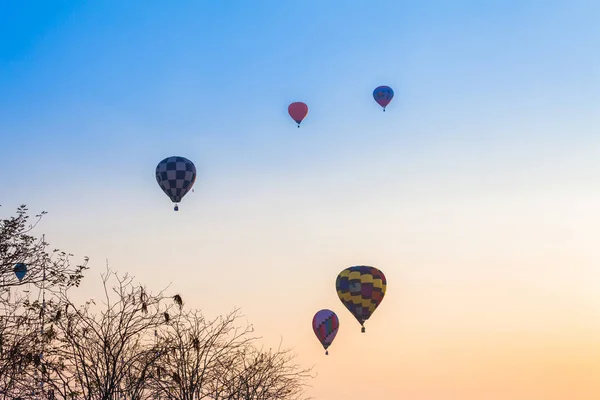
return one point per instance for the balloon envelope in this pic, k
(361, 290)
(325, 325)
(298, 111)
(383, 95)
(20, 270)
(176, 176)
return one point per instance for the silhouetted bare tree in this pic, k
(218, 359)
(17, 245)
(23, 339)
(134, 344)
(191, 348)
(20, 348)
(256, 374)
(107, 350)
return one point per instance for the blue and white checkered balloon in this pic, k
(176, 176)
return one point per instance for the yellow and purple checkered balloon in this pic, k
(361, 290)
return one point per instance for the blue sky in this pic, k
(219, 74)
(493, 130)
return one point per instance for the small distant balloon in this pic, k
(176, 176)
(383, 95)
(325, 325)
(20, 270)
(361, 290)
(298, 111)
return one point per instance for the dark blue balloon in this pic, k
(20, 270)
(383, 95)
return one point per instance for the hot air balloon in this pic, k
(383, 95)
(175, 176)
(361, 290)
(298, 111)
(325, 325)
(20, 270)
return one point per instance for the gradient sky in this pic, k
(476, 192)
